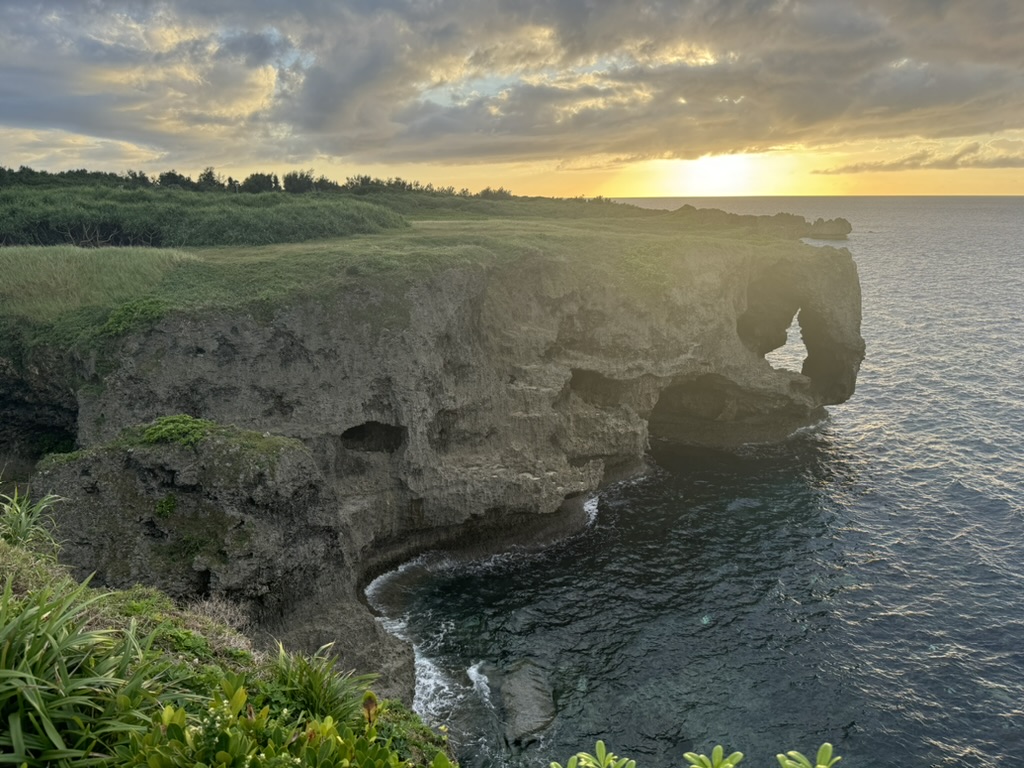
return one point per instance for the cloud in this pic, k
(972, 155)
(570, 82)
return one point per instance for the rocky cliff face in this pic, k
(473, 406)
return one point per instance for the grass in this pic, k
(44, 283)
(96, 216)
(74, 297)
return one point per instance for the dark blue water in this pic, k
(861, 583)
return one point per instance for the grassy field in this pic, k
(70, 296)
(100, 216)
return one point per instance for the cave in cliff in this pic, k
(373, 436)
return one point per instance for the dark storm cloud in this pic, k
(485, 80)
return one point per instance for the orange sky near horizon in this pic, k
(741, 175)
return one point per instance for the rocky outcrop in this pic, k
(473, 406)
(779, 225)
(241, 515)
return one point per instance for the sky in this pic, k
(544, 97)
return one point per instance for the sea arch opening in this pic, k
(792, 354)
(772, 324)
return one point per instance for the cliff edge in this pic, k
(473, 401)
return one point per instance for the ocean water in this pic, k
(861, 583)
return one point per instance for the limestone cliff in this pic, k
(473, 405)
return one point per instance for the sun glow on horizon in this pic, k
(727, 175)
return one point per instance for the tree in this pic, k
(298, 182)
(323, 184)
(260, 182)
(495, 194)
(209, 180)
(172, 178)
(137, 179)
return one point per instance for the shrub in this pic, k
(312, 684)
(601, 758)
(24, 524)
(230, 732)
(68, 694)
(824, 759)
(134, 315)
(75, 695)
(414, 741)
(182, 429)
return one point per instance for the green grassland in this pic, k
(75, 296)
(101, 216)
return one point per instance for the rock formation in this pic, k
(471, 406)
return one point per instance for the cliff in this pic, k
(472, 402)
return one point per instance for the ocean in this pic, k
(860, 583)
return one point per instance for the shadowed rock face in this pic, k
(475, 408)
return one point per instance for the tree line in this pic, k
(293, 182)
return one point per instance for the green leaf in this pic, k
(17, 737)
(237, 701)
(825, 759)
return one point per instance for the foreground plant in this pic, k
(68, 693)
(602, 758)
(312, 684)
(717, 759)
(794, 759)
(231, 733)
(24, 523)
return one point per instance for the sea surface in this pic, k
(861, 583)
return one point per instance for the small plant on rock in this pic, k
(601, 758)
(182, 429)
(794, 759)
(717, 759)
(27, 524)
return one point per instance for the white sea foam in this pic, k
(480, 682)
(436, 692)
(590, 506)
